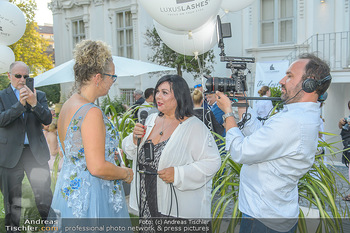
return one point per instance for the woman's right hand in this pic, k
(129, 175)
(139, 132)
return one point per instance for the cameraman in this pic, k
(277, 154)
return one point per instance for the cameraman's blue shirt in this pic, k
(274, 157)
(218, 113)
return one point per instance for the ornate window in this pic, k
(277, 22)
(127, 96)
(125, 34)
(78, 31)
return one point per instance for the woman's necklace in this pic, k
(163, 129)
(81, 94)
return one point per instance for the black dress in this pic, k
(148, 182)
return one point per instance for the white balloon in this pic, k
(7, 57)
(190, 43)
(181, 14)
(235, 5)
(12, 23)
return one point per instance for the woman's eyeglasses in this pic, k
(20, 76)
(114, 77)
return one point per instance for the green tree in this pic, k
(4, 81)
(31, 50)
(52, 93)
(163, 55)
(31, 47)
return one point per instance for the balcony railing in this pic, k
(331, 47)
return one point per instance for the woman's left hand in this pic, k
(167, 175)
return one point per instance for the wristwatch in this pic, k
(227, 115)
(33, 107)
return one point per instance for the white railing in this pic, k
(331, 47)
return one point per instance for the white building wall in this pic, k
(311, 17)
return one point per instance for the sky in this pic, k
(43, 14)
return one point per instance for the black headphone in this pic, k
(310, 84)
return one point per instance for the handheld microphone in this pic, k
(143, 116)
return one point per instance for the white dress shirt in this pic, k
(274, 157)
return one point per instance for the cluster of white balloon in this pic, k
(189, 26)
(12, 27)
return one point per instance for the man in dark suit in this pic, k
(139, 101)
(23, 147)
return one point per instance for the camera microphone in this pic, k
(143, 116)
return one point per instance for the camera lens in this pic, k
(220, 84)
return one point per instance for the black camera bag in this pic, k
(345, 136)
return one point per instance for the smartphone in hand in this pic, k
(30, 83)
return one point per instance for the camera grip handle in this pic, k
(245, 105)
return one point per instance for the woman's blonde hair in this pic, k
(263, 90)
(91, 58)
(53, 125)
(197, 96)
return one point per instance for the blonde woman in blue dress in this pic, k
(90, 183)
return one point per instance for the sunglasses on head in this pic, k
(20, 76)
(198, 85)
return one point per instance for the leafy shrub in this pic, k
(116, 103)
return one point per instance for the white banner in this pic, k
(269, 74)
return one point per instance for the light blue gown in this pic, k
(78, 194)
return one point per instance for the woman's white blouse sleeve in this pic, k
(129, 148)
(206, 161)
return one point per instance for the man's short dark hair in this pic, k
(148, 92)
(182, 95)
(317, 69)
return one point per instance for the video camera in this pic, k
(237, 82)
